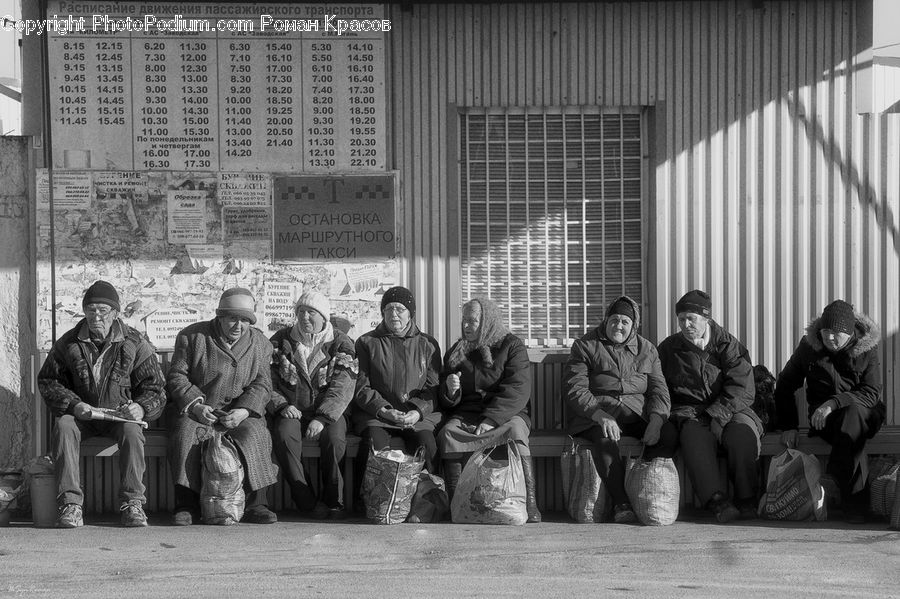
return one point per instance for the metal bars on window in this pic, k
(551, 215)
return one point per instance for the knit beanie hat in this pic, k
(399, 295)
(316, 301)
(695, 301)
(621, 306)
(101, 292)
(237, 301)
(839, 316)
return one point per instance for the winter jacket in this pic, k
(719, 375)
(326, 391)
(491, 392)
(225, 377)
(396, 372)
(849, 376)
(128, 370)
(602, 379)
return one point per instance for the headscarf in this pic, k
(491, 331)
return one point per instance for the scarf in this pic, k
(309, 352)
(491, 332)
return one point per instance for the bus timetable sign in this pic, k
(333, 219)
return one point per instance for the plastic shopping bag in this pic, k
(584, 493)
(390, 483)
(222, 474)
(491, 491)
(793, 491)
(654, 490)
(430, 502)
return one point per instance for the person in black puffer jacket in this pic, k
(838, 358)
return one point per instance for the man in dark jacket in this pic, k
(101, 364)
(711, 385)
(313, 380)
(838, 359)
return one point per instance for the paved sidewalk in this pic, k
(303, 558)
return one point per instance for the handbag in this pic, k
(793, 491)
(390, 483)
(654, 490)
(584, 493)
(491, 491)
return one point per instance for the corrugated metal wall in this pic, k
(767, 189)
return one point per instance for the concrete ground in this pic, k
(304, 558)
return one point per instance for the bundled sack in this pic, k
(584, 493)
(390, 483)
(793, 491)
(430, 502)
(491, 491)
(222, 476)
(654, 490)
(883, 475)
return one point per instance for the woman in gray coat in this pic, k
(219, 376)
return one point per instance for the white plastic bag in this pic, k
(491, 491)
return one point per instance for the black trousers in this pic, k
(608, 461)
(847, 431)
(287, 442)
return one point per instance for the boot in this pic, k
(534, 515)
(452, 470)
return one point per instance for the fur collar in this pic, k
(867, 335)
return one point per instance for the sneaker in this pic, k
(623, 514)
(259, 514)
(182, 518)
(70, 516)
(723, 509)
(133, 515)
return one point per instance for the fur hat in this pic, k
(316, 301)
(839, 316)
(399, 295)
(101, 292)
(695, 301)
(237, 301)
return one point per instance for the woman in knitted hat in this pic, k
(711, 384)
(485, 391)
(396, 390)
(839, 361)
(219, 375)
(614, 387)
(313, 379)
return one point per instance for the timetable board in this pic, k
(221, 87)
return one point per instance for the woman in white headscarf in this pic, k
(485, 390)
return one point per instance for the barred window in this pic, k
(551, 221)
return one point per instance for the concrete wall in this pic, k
(17, 286)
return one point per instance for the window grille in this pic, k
(551, 221)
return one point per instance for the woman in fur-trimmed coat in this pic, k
(839, 361)
(485, 390)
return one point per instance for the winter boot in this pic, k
(534, 515)
(452, 470)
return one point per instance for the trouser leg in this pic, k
(67, 433)
(699, 450)
(130, 438)
(287, 443)
(741, 447)
(333, 446)
(608, 462)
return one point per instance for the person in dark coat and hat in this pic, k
(396, 389)
(220, 375)
(101, 363)
(614, 387)
(839, 361)
(711, 385)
